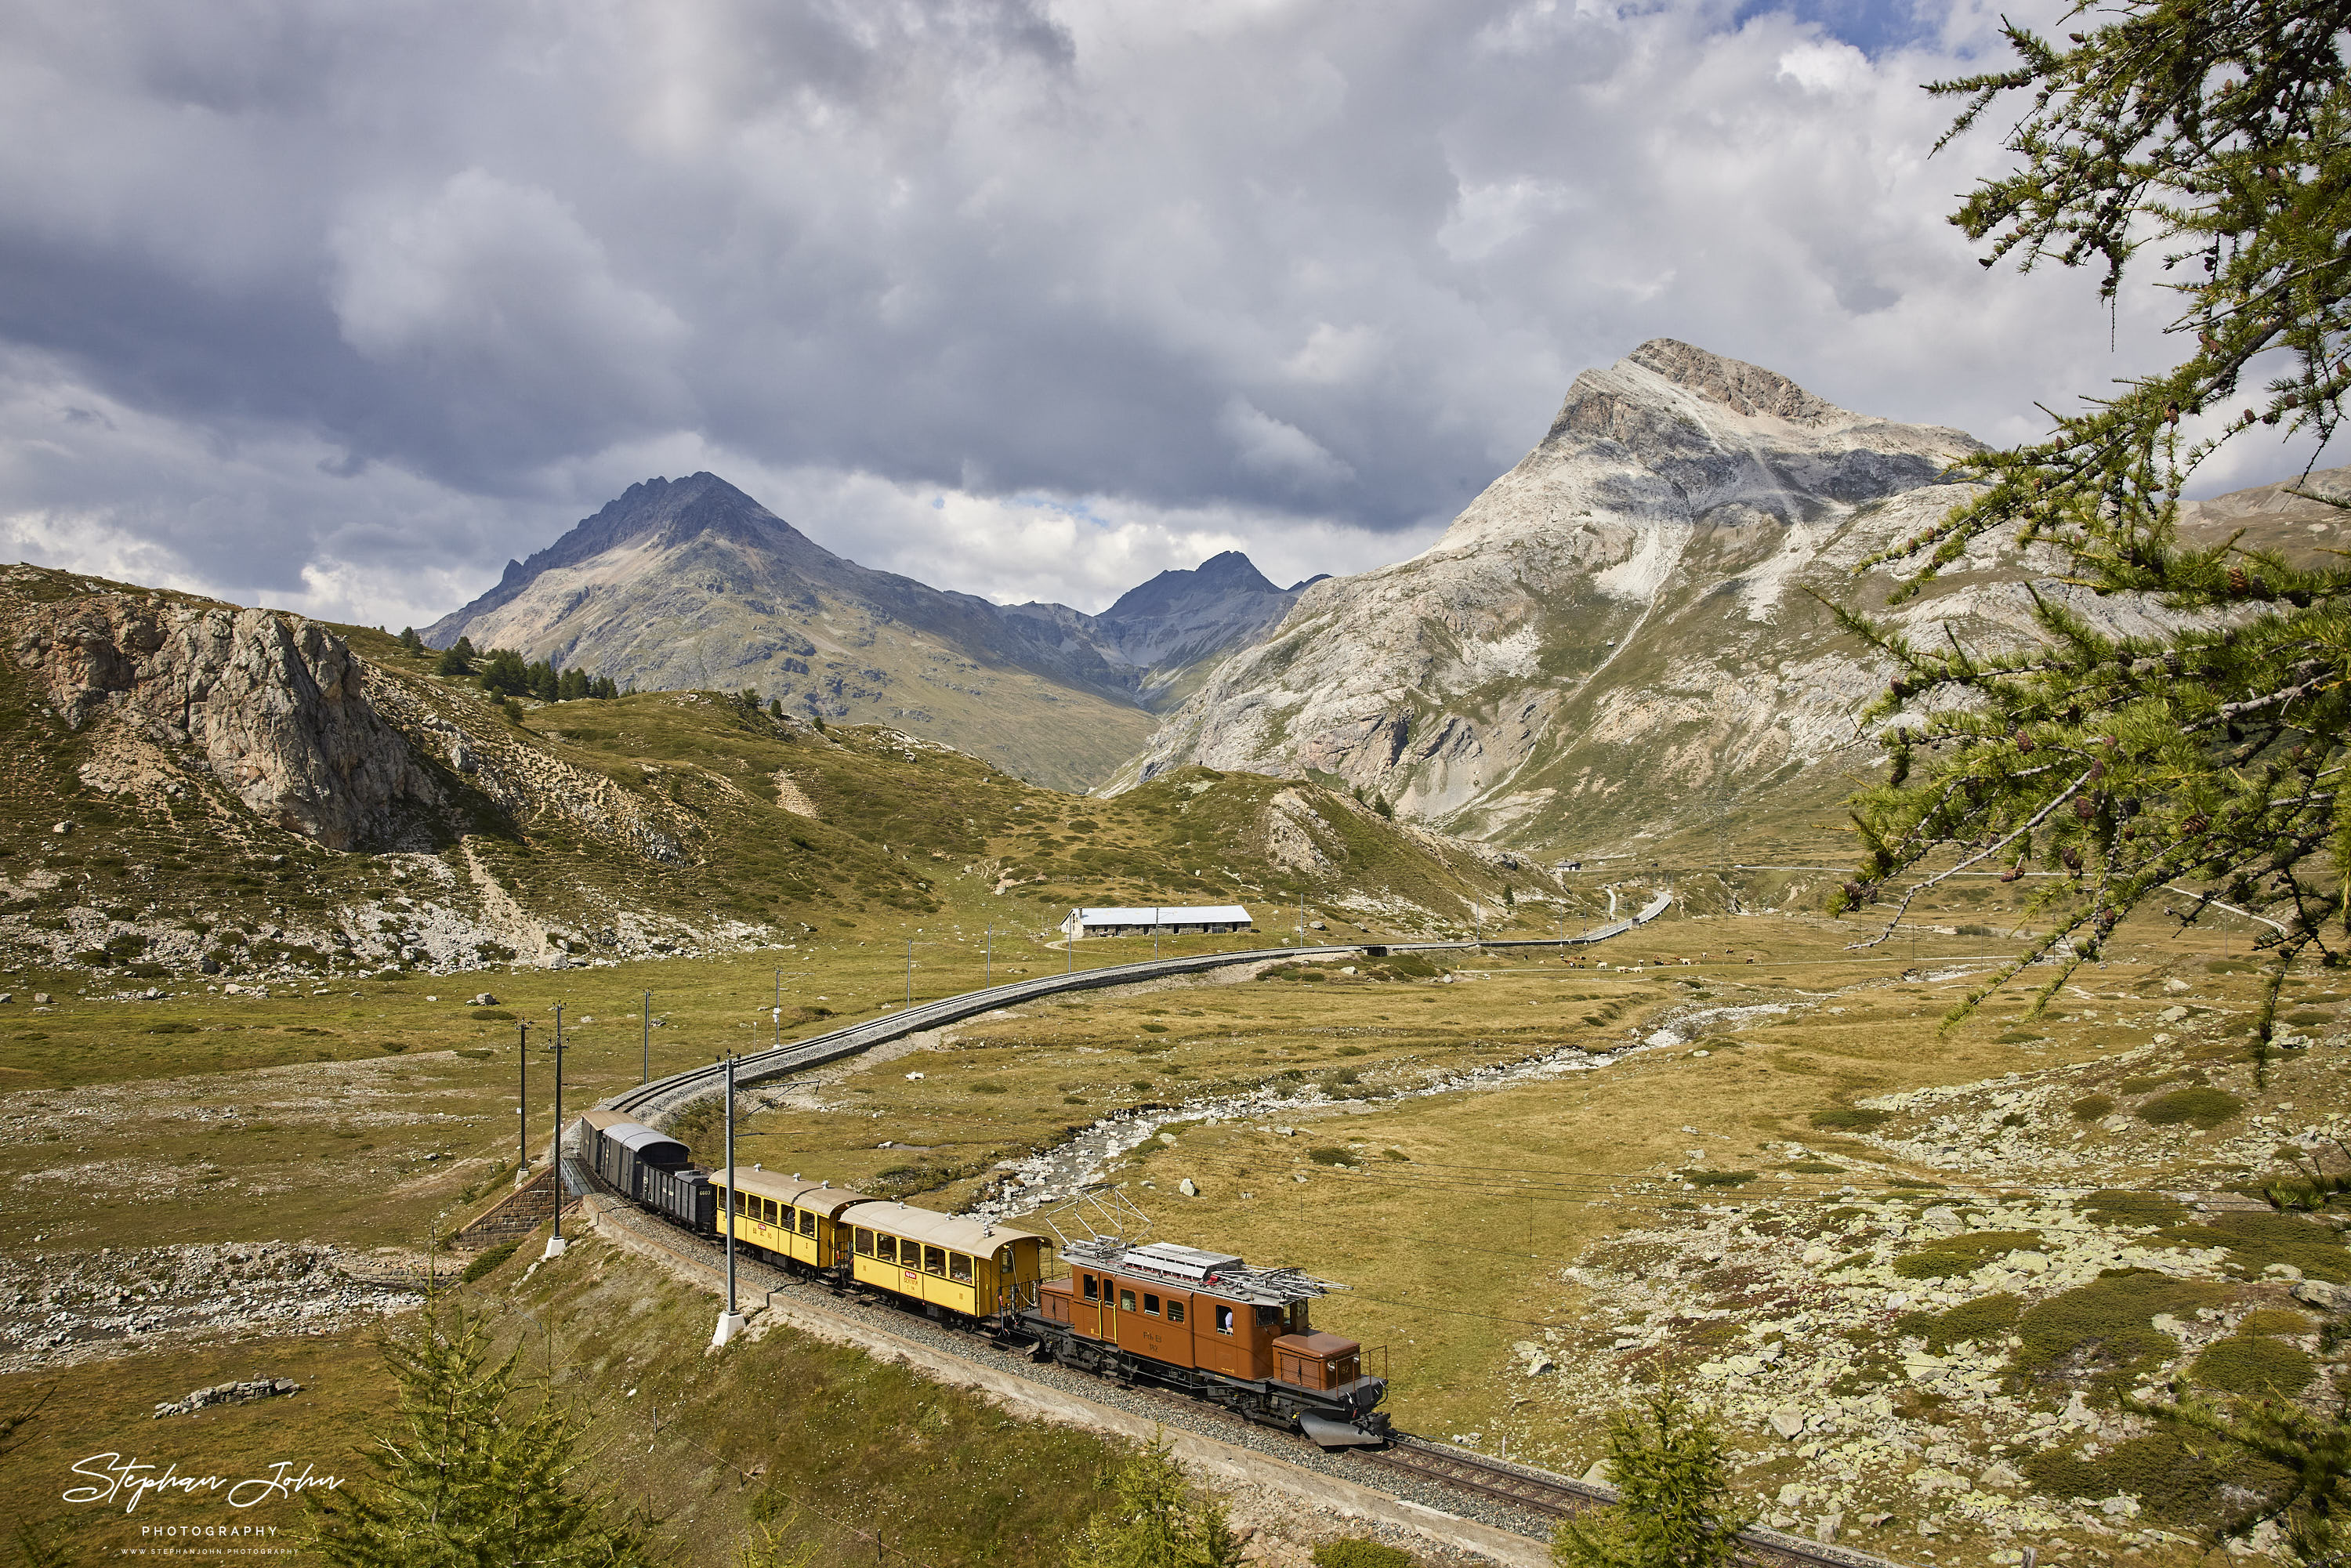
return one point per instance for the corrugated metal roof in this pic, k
(1166, 915)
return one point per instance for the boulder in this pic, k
(2317, 1293)
(1187, 1188)
(1788, 1424)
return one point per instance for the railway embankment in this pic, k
(1273, 1476)
(1436, 1494)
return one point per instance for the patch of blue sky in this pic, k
(1875, 27)
(1081, 507)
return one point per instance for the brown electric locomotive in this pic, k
(1209, 1325)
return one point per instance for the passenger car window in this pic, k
(960, 1268)
(1150, 1303)
(1175, 1311)
(1126, 1301)
(935, 1260)
(864, 1242)
(768, 1216)
(886, 1249)
(1224, 1320)
(808, 1222)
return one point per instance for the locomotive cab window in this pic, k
(1150, 1303)
(808, 1222)
(960, 1268)
(935, 1260)
(1175, 1311)
(1224, 1320)
(864, 1242)
(1125, 1301)
(1268, 1317)
(1094, 1287)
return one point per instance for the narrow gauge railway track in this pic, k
(1552, 1497)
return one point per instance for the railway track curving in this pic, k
(665, 1096)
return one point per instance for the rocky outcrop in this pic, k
(270, 704)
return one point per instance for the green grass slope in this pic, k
(659, 823)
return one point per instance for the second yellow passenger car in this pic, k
(958, 1265)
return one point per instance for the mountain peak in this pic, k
(660, 510)
(1219, 576)
(1735, 384)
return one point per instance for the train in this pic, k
(1199, 1323)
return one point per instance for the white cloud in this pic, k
(370, 298)
(1277, 449)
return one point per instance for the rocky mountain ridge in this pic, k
(1169, 632)
(1624, 636)
(692, 584)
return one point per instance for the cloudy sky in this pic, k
(339, 305)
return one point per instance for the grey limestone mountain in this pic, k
(690, 583)
(1619, 638)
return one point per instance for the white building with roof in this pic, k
(1169, 920)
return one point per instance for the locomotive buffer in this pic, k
(1207, 1324)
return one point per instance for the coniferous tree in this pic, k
(411, 641)
(542, 680)
(503, 673)
(2218, 133)
(571, 686)
(606, 689)
(1160, 1521)
(1672, 1473)
(458, 660)
(470, 1469)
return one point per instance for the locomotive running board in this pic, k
(1329, 1434)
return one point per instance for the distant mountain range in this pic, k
(1623, 640)
(690, 583)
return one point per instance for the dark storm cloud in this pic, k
(347, 303)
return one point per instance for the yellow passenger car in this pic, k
(962, 1264)
(786, 1216)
